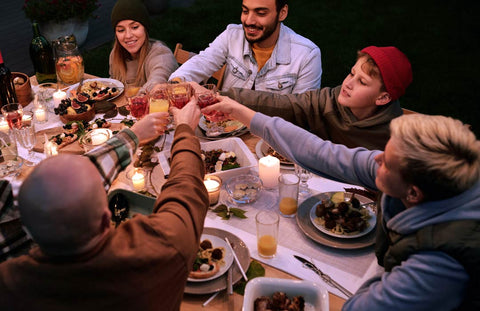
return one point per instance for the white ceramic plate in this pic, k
(315, 295)
(220, 283)
(371, 224)
(228, 257)
(261, 150)
(109, 82)
(221, 132)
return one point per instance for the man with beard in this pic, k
(261, 54)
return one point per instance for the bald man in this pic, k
(81, 262)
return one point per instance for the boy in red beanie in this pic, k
(356, 113)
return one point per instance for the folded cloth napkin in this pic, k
(14, 241)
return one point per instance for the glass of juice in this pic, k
(13, 113)
(159, 100)
(267, 233)
(288, 193)
(138, 105)
(179, 94)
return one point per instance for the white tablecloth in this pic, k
(350, 268)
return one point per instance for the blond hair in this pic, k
(438, 154)
(119, 61)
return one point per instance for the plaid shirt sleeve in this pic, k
(113, 156)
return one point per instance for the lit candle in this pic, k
(98, 138)
(49, 148)
(138, 180)
(58, 96)
(40, 114)
(269, 170)
(27, 118)
(4, 125)
(213, 184)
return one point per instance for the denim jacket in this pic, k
(295, 65)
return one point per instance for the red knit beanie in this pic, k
(394, 67)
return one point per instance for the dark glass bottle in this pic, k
(7, 89)
(41, 53)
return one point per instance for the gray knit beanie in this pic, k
(130, 9)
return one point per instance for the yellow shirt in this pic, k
(262, 54)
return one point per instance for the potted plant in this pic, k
(61, 17)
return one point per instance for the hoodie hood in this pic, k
(404, 221)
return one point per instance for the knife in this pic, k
(327, 279)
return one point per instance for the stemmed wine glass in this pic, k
(25, 135)
(304, 176)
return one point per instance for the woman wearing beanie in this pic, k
(135, 58)
(356, 113)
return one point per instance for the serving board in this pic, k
(73, 148)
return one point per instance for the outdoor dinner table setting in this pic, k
(263, 208)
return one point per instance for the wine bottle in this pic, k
(7, 89)
(41, 53)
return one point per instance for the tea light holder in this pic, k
(41, 114)
(94, 138)
(213, 184)
(49, 148)
(57, 97)
(138, 179)
(268, 171)
(4, 125)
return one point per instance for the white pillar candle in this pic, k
(4, 125)
(40, 114)
(213, 184)
(269, 170)
(138, 180)
(58, 96)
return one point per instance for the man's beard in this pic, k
(268, 30)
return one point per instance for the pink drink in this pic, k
(179, 100)
(14, 119)
(206, 99)
(138, 106)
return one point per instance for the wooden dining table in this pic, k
(222, 301)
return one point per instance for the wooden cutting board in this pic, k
(73, 148)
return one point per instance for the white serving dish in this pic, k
(245, 157)
(316, 296)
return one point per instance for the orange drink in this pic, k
(267, 246)
(288, 206)
(159, 101)
(288, 193)
(267, 233)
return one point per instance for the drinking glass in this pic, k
(138, 105)
(267, 233)
(13, 113)
(179, 94)
(288, 193)
(304, 176)
(25, 136)
(159, 100)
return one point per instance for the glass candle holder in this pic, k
(213, 184)
(41, 114)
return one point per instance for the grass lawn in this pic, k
(439, 37)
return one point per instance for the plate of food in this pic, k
(219, 283)
(306, 225)
(97, 89)
(222, 129)
(343, 216)
(263, 149)
(213, 259)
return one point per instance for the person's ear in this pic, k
(383, 99)
(105, 224)
(282, 15)
(414, 195)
